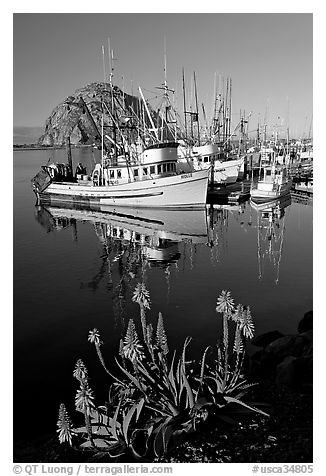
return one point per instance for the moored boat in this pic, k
(148, 179)
(203, 157)
(274, 184)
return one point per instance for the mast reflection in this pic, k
(270, 233)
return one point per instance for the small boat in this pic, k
(148, 179)
(274, 184)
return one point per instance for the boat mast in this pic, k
(230, 105)
(184, 101)
(196, 101)
(102, 120)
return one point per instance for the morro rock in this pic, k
(69, 118)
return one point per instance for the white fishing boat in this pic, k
(202, 157)
(147, 179)
(274, 183)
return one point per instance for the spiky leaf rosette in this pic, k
(141, 296)
(246, 324)
(94, 337)
(237, 314)
(80, 371)
(161, 339)
(84, 398)
(132, 349)
(64, 425)
(225, 303)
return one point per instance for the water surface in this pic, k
(75, 270)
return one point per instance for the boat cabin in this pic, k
(156, 161)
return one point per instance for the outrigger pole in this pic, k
(148, 113)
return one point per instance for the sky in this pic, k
(269, 57)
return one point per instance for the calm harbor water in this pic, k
(75, 270)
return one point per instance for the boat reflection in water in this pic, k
(133, 241)
(147, 227)
(158, 235)
(270, 232)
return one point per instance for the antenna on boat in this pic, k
(110, 63)
(103, 61)
(165, 73)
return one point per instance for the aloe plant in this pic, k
(160, 396)
(84, 400)
(64, 425)
(141, 296)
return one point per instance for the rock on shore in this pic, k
(286, 359)
(69, 120)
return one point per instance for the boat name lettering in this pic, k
(185, 176)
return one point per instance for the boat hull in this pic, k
(176, 191)
(227, 172)
(282, 201)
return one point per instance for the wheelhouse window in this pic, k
(135, 172)
(145, 170)
(111, 174)
(119, 173)
(159, 169)
(152, 169)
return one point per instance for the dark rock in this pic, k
(264, 339)
(263, 365)
(308, 349)
(306, 323)
(68, 119)
(304, 371)
(294, 372)
(287, 345)
(286, 372)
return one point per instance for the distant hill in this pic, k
(27, 135)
